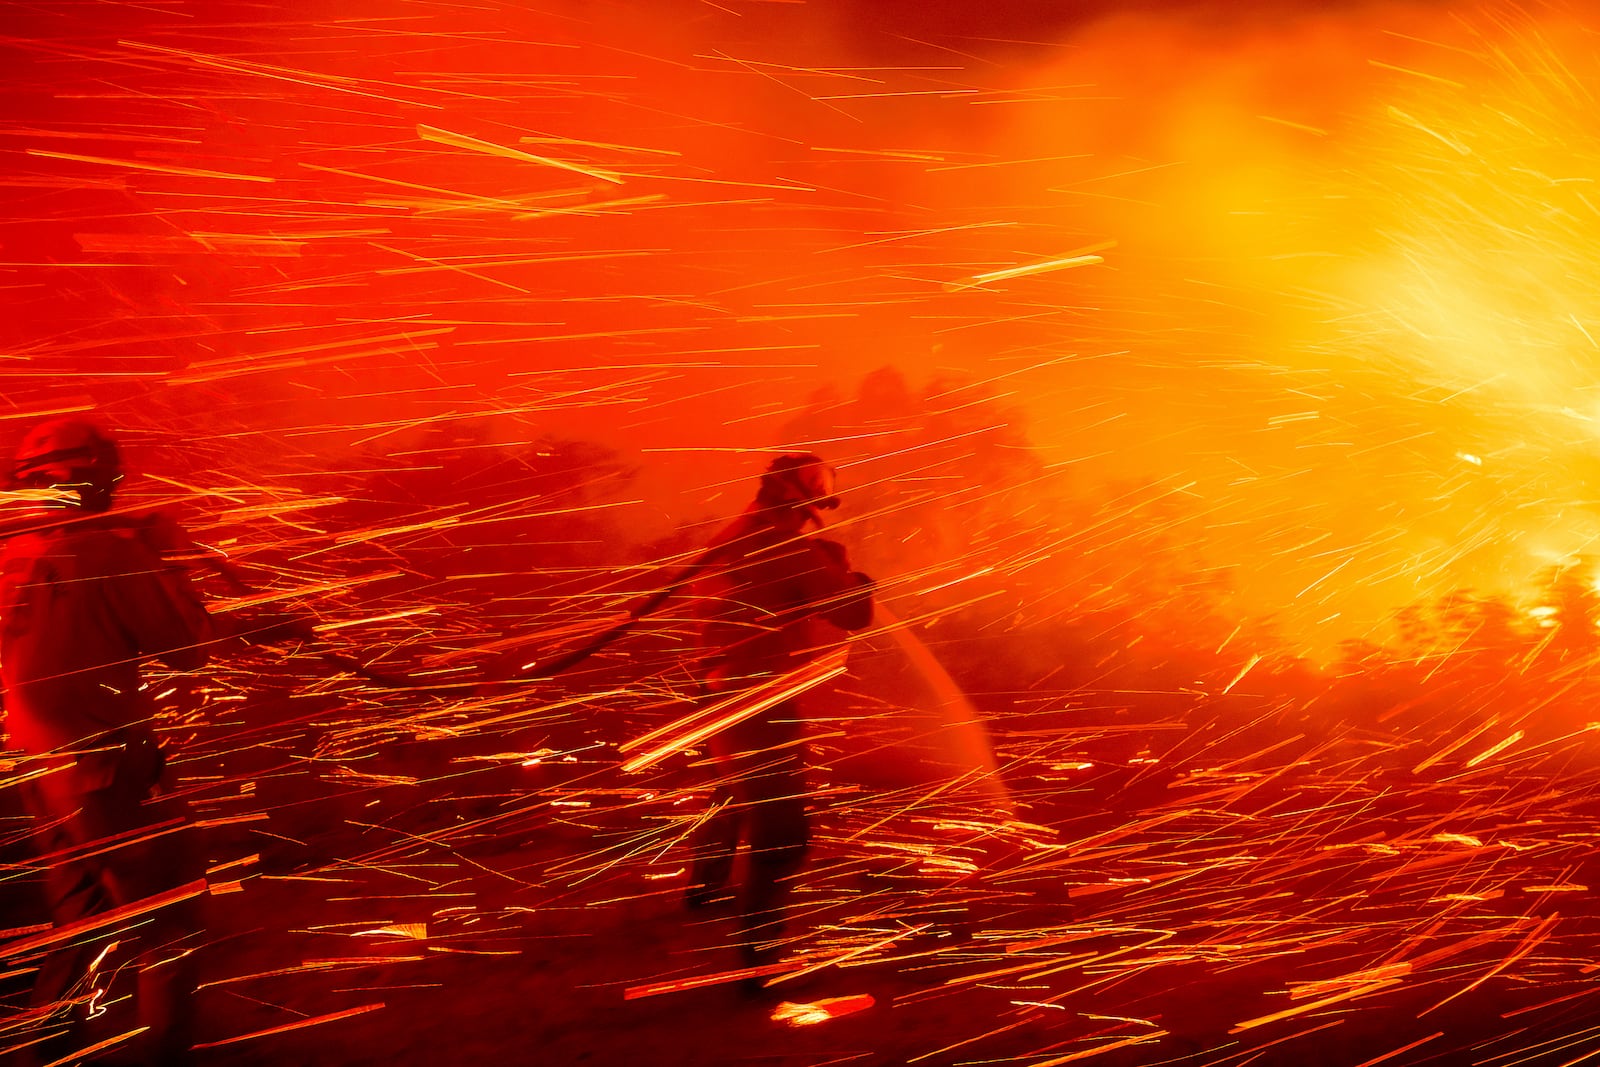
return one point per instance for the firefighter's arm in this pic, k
(265, 627)
(843, 596)
(158, 607)
(163, 535)
(169, 540)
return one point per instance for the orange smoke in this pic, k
(1321, 277)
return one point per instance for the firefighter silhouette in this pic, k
(774, 600)
(87, 594)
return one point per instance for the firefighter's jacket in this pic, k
(80, 606)
(772, 602)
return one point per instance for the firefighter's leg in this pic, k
(167, 945)
(713, 844)
(166, 986)
(75, 889)
(123, 874)
(779, 836)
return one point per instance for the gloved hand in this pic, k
(834, 551)
(853, 609)
(276, 629)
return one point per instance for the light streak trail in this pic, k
(89, 1051)
(128, 164)
(1083, 257)
(703, 723)
(461, 140)
(330, 1017)
(114, 917)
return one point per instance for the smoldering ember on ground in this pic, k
(1212, 394)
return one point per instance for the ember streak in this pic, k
(1212, 392)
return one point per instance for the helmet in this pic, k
(70, 452)
(798, 480)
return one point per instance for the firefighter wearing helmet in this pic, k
(73, 456)
(777, 599)
(84, 598)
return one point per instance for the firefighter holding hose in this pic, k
(774, 601)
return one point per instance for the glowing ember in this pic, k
(820, 1011)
